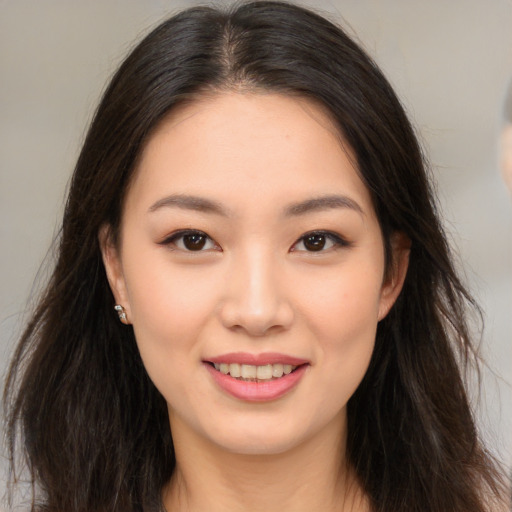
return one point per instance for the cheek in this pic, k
(169, 304)
(170, 307)
(343, 315)
(342, 305)
(349, 326)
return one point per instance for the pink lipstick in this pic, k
(256, 377)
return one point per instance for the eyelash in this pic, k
(173, 239)
(336, 240)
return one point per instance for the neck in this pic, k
(311, 476)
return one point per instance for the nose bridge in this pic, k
(261, 287)
(256, 300)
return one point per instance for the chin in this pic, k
(257, 445)
(261, 437)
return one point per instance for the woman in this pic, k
(254, 305)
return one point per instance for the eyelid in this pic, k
(180, 233)
(335, 238)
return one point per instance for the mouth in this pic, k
(253, 373)
(256, 377)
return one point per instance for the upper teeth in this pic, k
(249, 371)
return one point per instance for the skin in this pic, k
(506, 155)
(255, 287)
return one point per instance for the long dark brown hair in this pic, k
(94, 430)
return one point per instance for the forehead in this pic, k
(237, 146)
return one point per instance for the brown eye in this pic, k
(314, 242)
(194, 241)
(319, 241)
(190, 241)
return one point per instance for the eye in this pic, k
(318, 241)
(190, 240)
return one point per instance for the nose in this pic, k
(255, 299)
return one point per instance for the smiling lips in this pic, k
(250, 372)
(256, 378)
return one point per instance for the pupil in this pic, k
(194, 242)
(314, 242)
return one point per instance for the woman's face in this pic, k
(251, 265)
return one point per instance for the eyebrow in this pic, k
(323, 203)
(201, 204)
(186, 202)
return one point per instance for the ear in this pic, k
(395, 275)
(114, 269)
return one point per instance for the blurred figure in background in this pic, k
(506, 141)
(505, 156)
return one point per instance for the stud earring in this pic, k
(121, 313)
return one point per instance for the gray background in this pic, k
(450, 61)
